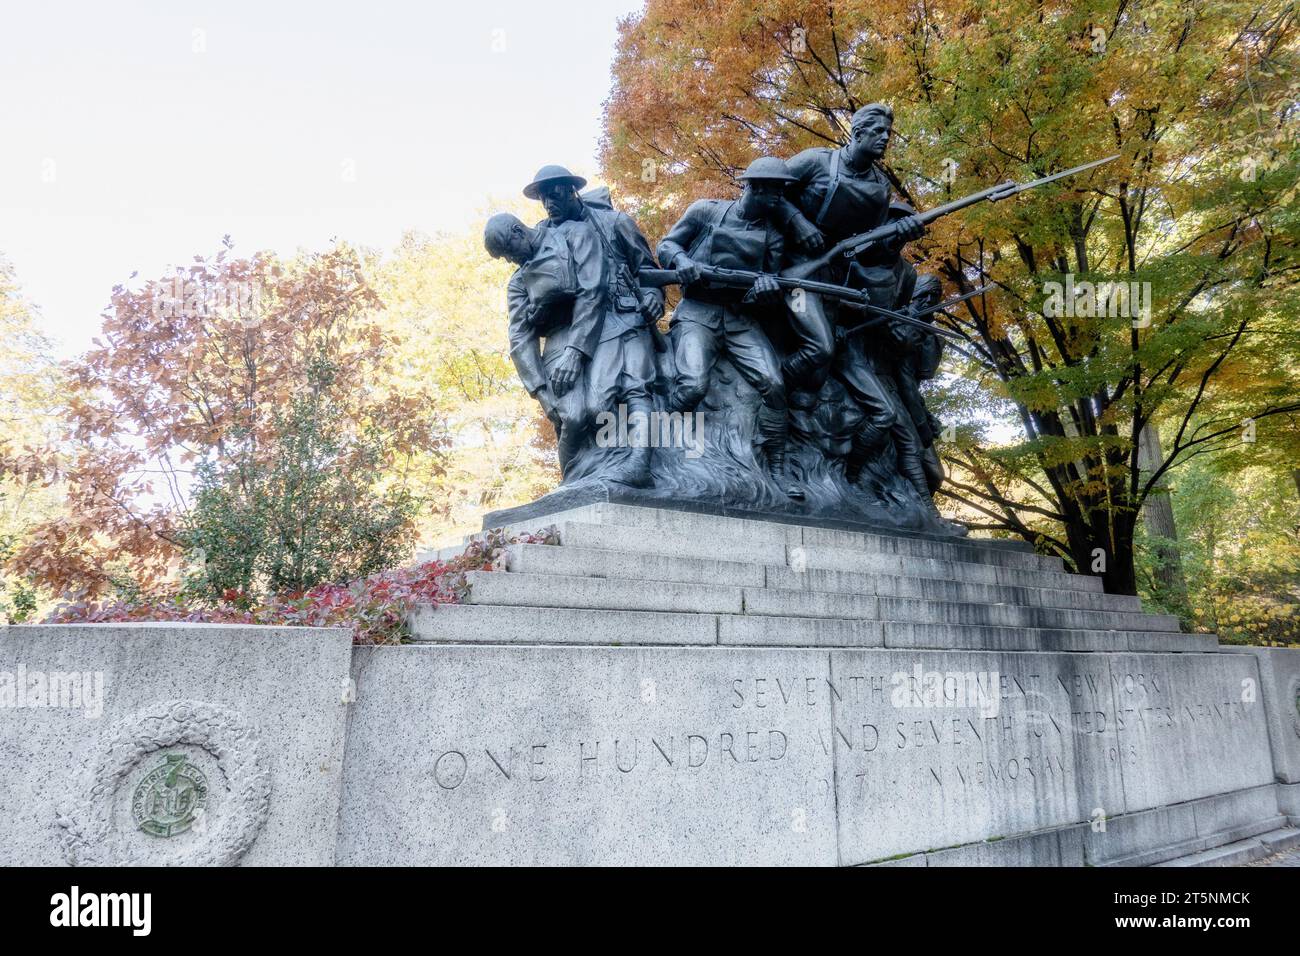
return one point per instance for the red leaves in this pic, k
(198, 365)
(374, 608)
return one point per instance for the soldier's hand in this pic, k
(688, 270)
(808, 236)
(652, 306)
(910, 227)
(765, 290)
(566, 371)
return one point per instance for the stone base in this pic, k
(710, 755)
(567, 499)
(668, 687)
(251, 717)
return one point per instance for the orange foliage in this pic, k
(197, 367)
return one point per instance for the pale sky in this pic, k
(137, 134)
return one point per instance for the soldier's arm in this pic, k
(589, 306)
(682, 236)
(789, 213)
(929, 356)
(525, 347)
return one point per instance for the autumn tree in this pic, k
(217, 369)
(1198, 217)
(29, 389)
(447, 298)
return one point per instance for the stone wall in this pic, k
(171, 744)
(665, 688)
(768, 756)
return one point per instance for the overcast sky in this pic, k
(137, 134)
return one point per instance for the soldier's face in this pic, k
(871, 139)
(517, 247)
(764, 193)
(561, 201)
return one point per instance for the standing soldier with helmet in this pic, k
(713, 321)
(620, 369)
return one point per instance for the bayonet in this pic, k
(855, 245)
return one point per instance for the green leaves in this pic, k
(303, 505)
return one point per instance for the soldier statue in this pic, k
(558, 294)
(840, 193)
(610, 362)
(800, 284)
(715, 320)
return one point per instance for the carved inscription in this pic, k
(943, 729)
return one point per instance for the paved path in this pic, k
(1289, 858)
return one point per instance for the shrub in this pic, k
(374, 607)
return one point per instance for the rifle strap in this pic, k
(623, 271)
(831, 186)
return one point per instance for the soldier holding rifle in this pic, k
(714, 320)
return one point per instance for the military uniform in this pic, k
(569, 294)
(841, 202)
(844, 202)
(709, 321)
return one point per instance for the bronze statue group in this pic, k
(807, 388)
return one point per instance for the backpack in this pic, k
(550, 276)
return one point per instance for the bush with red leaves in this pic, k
(375, 608)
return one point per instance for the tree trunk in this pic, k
(1099, 549)
(1158, 515)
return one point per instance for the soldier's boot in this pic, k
(867, 441)
(934, 474)
(634, 470)
(911, 466)
(773, 428)
(800, 371)
(913, 469)
(682, 401)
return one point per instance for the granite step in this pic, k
(830, 604)
(948, 589)
(514, 624)
(641, 566)
(682, 530)
(791, 529)
(519, 624)
(553, 590)
(548, 590)
(841, 559)
(990, 637)
(1241, 852)
(781, 554)
(568, 560)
